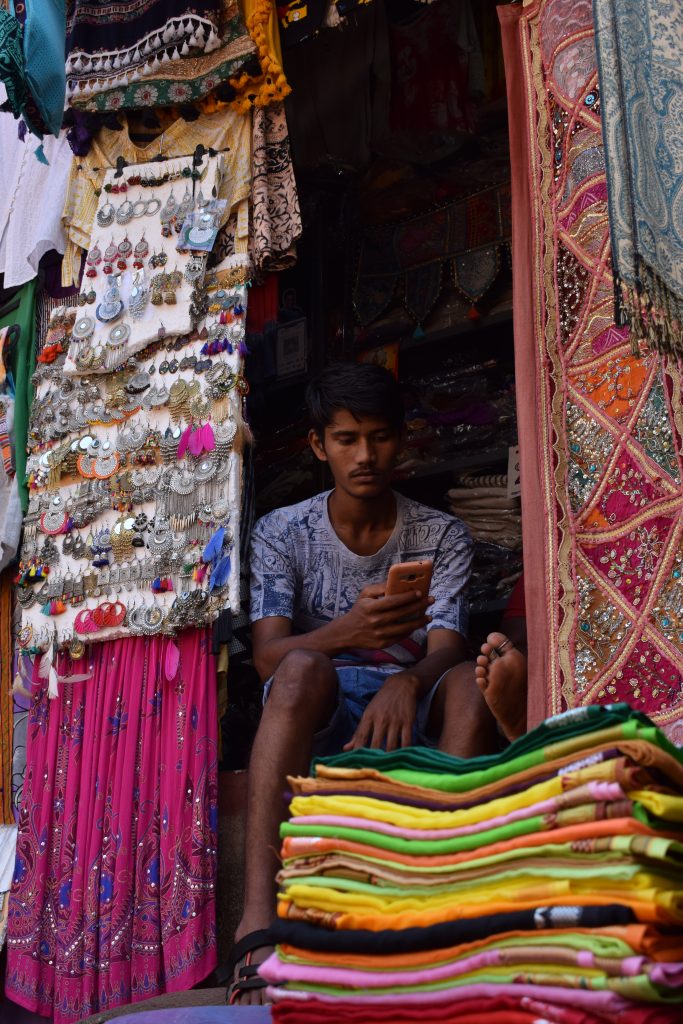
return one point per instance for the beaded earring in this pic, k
(93, 260)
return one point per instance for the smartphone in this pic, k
(409, 577)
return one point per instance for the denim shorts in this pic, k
(358, 684)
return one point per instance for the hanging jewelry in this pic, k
(140, 252)
(112, 305)
(194, 268)
(93, 259)
(119, 335)
(159, 259)
(167, 215)
(224, 434)
(185, 207)
(110, 254)
(54, 520)
(124, 213)
(84, 328)
(168, 444)
(157, 285)
(124, 249)
(107, 462)
(139, 294)
(171, 284)
(106, 215)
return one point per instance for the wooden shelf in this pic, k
(408, 343)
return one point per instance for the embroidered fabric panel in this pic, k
(243, 50)
(611, 469)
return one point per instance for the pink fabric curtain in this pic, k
(113, 899)
(526, 377)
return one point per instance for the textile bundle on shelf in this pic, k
(600, 429)
(418, 883)
(113, 897)
(639, 48)
(489, 513)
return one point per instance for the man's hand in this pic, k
(376, 621)
(389, 717)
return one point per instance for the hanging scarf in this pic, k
(639, 44)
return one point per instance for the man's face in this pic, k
(362, 454)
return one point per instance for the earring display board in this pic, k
(135, 468)
(137, 286)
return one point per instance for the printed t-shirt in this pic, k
(301, 570)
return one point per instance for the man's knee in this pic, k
(302, 679)
(460, 675)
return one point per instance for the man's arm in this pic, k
(374, 622)
(389, 717)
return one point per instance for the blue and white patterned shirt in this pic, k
(301, 570)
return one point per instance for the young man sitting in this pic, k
(346, 666)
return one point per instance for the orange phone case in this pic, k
(409, 576)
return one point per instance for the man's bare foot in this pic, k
(501, 675)
(245, 987)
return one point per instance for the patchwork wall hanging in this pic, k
(600, 427)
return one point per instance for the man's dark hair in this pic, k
(361, 388)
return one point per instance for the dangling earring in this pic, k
(124, 249)
(186, 207)
(124, 214)
(140, 251)
(93, 259)
(106, 215)
(168, 214)
(139, 295)
(111, 306)
(173, 281)
(194, 268)
(110, 254)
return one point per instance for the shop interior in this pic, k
(404, 260)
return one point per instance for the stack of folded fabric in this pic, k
(541, 884)
(487, 510)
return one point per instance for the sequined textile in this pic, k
(600, 426)
(113, 897)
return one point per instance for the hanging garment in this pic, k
(275, 216)
(219, 48)
(10, 505)
(109, 45)
(600, 427)
(22, 364)
(224, 130)
(113, 899)
(32, 63)
(31, 201)
(6, 699)
(641, 91)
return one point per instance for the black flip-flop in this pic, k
(247, 979)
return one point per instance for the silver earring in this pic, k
(106, 215)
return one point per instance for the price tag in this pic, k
(514, 483)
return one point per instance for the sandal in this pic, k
(247, 979)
